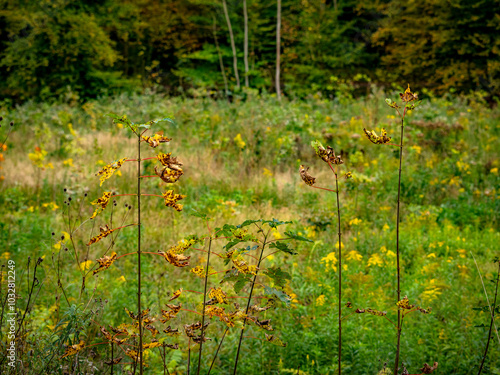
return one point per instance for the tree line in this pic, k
(297, 48)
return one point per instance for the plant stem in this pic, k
(340, 275)
(139, 250)
(491, 322)
(217, 352)
(248, 303)
(203, 307)
(396, 363)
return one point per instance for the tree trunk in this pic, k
(221, 62)
(245, 17)
(235, 59)
(278, 51)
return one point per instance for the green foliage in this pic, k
(331, 49)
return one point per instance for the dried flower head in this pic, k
(105, 262)
(218, 294)
(176, 294)
(171, 200)
(408, 96)
(405, 304)
(168, 175)
(348, 175)
(326, 154)
(156, 139)
(101, 203)
(306, 177)
(108, 170)
(274, 340)
(73, 349)
(378, 140)
(105, 231)
(178, 260)
(428, 369)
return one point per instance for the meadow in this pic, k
(241, 162)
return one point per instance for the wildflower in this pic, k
(267, 173)
(239, 141)
(306, 177)
(73, 349)
(355, 221)
(172, 169)
(105, 262)
(327, 155)
(218, 294)
(376, 139)
(331, 261)
(105, 231)
(375, 260)
(198, 271)
(408, 96)
(320, 301)
(85, 265)
(405, 304)
(428, 369)
(108, 170)
(68, 162)
(348, 175)
(274, 340)
(155, 140)
(178, 260)
(243, 267)
(176, 294)
(170, 314)
(354, 255)
(154, 344)
(171, 199)
(101, 202)
(171, 332)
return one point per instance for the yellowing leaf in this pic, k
(108, 170)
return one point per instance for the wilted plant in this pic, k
(328, 156)
(409, 101)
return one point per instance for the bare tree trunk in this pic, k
(235, 59)
(245, 17)
(278, 51)
(220, 58)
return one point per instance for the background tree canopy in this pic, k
(50, 48)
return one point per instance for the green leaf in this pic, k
(248, 222)
(282, 296)
(283, 247)
(193, 212)
(297, 237)
(275, 223)
(278, 276)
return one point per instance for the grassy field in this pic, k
(240, 162)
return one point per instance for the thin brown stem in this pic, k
(217, 352)
(396, 363)
(139, 252)
(340, 275)
(203, 307)
(322, 188)
(491, 322)
(264, 243)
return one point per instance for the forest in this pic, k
(303, 187)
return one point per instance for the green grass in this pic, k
(450, 205)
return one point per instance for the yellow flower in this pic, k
(494, 170)
(239, 141)
(417, 149)
(385, 228)
(354, 255)
(85, 265)
(320, 301)
(331, 261)
(267, 173)
(391, 254)
(68, 162)
(375, 260)
(121, 279)
(355, 221)
(431, 255)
